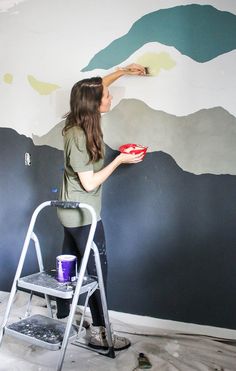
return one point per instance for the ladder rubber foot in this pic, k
(111, 353)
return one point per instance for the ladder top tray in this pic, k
(46, 283)
(42, 331)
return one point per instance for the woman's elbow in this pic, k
(86, 182)
(88, 188)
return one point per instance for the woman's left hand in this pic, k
(134, 69)
(128, 158)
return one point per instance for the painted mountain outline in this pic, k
(204, 34)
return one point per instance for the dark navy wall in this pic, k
(171, 241)
(171, 235)
(23, 188)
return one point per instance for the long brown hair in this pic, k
(85, 101)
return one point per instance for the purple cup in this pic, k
(66, 268)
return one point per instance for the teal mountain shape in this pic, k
(199, 31)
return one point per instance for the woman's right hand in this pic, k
(134, 69)
(127, 158)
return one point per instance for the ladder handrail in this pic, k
(79, 283)
(21, 263)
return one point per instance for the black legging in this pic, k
(74, 243)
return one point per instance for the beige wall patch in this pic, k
(156, 62)
(8, 78)
(43, 88)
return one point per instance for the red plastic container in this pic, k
(133, 149)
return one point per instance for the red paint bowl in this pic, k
(133, 149)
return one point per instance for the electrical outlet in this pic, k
(27, 159)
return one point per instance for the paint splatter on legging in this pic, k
(74, 243)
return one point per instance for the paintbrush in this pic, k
(147, 70)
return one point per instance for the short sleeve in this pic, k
(78, 155)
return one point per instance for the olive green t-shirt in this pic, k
(76, 160)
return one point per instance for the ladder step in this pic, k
(46, 283)
(43, 331)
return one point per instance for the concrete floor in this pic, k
(166, 350)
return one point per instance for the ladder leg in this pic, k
(89, 293)
(48, 303)
(75, 301)
(6, 315)
(28, 309)
(41, 269)
(68, 325)
(111, 352)
(17, 275)
(49, 306)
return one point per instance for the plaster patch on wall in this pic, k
(200, 143)
(43, 88)
(156, 61)
(53, 138)
(8, 78)
(203, 142)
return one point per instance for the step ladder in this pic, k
(47, 331)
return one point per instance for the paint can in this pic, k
(66, 266)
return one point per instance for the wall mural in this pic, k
(182, 195)
(183, 62)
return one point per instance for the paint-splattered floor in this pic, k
(167, 351)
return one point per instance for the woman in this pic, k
(83, 177)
